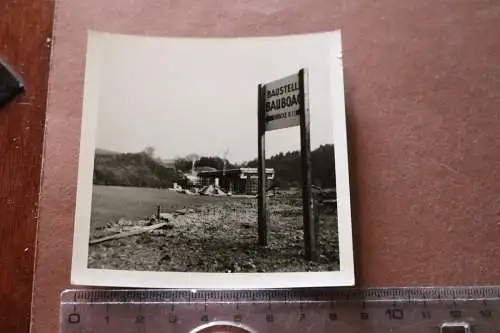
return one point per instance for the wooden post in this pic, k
(158, 211)
(316, 221)
(262, 215)
(305, 144)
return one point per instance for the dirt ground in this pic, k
(216, 234)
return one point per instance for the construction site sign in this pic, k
(285, 103)
(282, 102)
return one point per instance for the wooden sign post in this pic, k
(305, 154)
(262, 207)
(284, 103)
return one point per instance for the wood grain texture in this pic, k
(24, 29)
(422, 89)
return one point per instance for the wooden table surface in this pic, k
(422, 93)
(25, 43)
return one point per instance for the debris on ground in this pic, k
(166, 217)
(184, 211)
(212, 190)
(220, 236)
(130, 232)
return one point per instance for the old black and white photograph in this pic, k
(213, 163)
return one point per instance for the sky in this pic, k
(185, 96)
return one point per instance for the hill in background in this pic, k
(100, 151)
(133, 169)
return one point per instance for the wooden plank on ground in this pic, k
(128, 233)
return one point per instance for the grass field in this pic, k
(219, 234)
(110, 203)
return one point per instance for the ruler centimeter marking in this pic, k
(426, 309)
(279, 296)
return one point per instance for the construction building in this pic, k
(235, 181)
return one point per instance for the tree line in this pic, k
(144, 170)
(185, 164)
(288, 167)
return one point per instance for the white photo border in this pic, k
(82, 275)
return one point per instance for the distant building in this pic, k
(203, 168)
(193, 179)
(236, 181)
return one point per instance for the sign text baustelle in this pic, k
(282, 103)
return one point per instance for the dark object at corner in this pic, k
(11, 84)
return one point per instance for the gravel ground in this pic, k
(219, 236)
